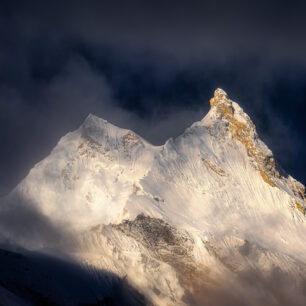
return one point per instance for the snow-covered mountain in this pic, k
(208, 218)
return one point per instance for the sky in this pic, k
(148, 66)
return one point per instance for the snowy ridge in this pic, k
(213, 199)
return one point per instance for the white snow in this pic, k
(101, 174)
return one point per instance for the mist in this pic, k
(150, 68)
(147, 67)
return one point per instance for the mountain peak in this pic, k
(220, 93)
(209, 200)
(93, 120)
(101, 131)
(96, 125)
(222, 102)
(229, 110)
(243, 130)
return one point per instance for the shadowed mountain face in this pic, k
(36, 279)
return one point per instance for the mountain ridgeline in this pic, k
(208, 218)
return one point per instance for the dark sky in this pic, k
(148, 66)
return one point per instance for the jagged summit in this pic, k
(242, 129)
(220, 94)
(220, 100)
(229, 110)
(221, 108)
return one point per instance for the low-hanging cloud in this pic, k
(21, 224)
(60, 105)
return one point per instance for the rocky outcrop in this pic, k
(243, 130)
(164, 242)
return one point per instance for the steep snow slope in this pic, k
(206, 210)
(89, 175)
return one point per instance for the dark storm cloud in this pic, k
(147, 66)
(182, 28)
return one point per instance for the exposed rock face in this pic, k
(158, 244)
(164, 242)
(213, 167)
(156, 234)
(243, 129)
(245, 132)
